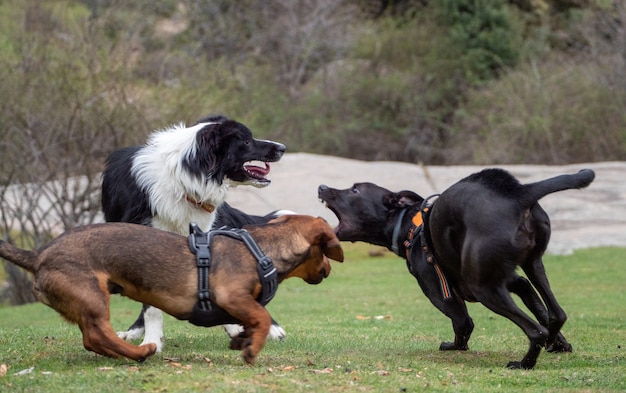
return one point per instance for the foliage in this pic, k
(67, 110)
(527, 117)
(555, 107)
(481, 38)
(324, 76)
(368, 328)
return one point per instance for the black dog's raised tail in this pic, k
(535, 191)
(22, 258)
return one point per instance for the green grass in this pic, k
(335, 344)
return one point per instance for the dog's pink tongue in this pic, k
(257, 170)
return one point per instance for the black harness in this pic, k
(422, 233)
(206, 313)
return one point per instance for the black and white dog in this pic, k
(181, 175)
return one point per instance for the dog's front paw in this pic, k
(157, 342)
(448, 346)
(239, 342)
(150, 348)
(276, 332)
(559, 346)
(514, 365)
(249, 355)
(233, 330)
(131, 334)
(525, 364)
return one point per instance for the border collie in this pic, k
(183, 174)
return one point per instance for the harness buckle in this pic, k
(265, 263)
(204, 294)
(200, 244)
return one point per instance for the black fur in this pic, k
(228, 216)
(223, 148)
(122, 198)
(480, 230)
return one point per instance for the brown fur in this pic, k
(76, 273)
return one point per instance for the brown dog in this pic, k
(76, 273)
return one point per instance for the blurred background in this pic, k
(439, 82)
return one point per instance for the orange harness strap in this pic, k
(418, 226)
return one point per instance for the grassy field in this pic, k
(368, 328)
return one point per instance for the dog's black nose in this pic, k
(322, 188)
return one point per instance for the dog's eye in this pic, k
(355, 190)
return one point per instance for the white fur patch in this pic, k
(158, 168)
(283, 212)
(233, 330)
(153, 320)
(276, 332)
(132, 334)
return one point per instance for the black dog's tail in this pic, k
(22, 258)
(535, 191)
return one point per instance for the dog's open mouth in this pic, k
(339, 226)
(257, 171)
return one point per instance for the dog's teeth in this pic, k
(260, 170)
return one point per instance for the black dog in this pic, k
(466, 247)
(183, 174)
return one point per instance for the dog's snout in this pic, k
(280, 148)
(322, 188)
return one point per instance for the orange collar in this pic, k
(206, 206)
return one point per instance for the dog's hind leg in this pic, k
(522, 287)
(498, 299)
(556, 315)
(84, 300)
(99, 337)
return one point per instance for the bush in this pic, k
(481, 38)
(557, 113)
(67, 109)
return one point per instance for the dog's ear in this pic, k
(402, 199)
(332, 249)
(204, 160)
(331, 246)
